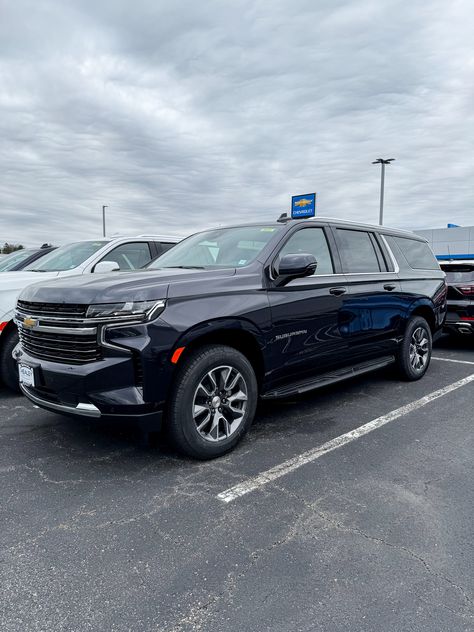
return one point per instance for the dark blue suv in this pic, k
(227, 316)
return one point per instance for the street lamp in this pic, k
(383, 162)
(103, 220)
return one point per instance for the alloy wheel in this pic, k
(419, 349)
(220, 403)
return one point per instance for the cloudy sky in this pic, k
(181, 114)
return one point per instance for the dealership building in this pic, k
(456, 242)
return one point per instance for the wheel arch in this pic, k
(240, 335)
(426, 311)
(9, 328)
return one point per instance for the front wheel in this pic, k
(213, 402)
(415, 353)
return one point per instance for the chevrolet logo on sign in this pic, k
(30, 322)
(303, 202)
(303, 206)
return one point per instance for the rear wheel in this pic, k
(213, 402)
(8, 366)
(415, 353)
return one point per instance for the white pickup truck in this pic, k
(82, 257)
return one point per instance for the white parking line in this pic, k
(451, 360)
(251, 484)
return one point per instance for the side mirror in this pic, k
(106, 266)
(295, 266)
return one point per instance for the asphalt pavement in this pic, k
(99, 532)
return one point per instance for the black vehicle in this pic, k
(20, 259)
(227, 316)
(460, 279)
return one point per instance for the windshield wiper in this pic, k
(186, 267)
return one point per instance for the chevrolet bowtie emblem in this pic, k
(303, 202)
(30, 322)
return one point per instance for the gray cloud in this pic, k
(180, 115)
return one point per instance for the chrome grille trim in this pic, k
(76, 331)
(62, 340)
(79, 321)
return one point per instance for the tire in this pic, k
(415, 352)
(201, 422)
(8, 366)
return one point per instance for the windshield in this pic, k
(459, 273)
(220, 248)
(10, 261)
(66, 257)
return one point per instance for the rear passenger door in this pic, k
(372, 313)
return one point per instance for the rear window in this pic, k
(357, 251)
(459, 273)
(416, 253)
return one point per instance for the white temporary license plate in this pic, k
(27, 376)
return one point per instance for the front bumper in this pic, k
(82, 409)
(98, 390)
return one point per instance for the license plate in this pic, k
(27, 376)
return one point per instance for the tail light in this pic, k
(467, 290)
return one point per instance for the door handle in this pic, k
(389, 286)
(337, 291)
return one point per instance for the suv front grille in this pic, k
(60, 333)
(58, 310)
(67, 348)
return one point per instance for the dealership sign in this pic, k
(303, 206)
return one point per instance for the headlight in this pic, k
(131, 310)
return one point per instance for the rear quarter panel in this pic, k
(425, 288)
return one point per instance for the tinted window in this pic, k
(310, 241)
(130, 256)
(356, 251)
(165, 247)
(221, 248)
(397, 253)
(417, 253)
(67, 257)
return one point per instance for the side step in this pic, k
(325, 379)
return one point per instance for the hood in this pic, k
(19, 280)
(116, 287)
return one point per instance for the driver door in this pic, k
(305, 312)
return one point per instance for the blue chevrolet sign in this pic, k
(303, 206)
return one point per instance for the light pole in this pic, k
(383, 162)
(103, 220)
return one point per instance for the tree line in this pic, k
(7, 248)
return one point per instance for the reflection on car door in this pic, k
(305, 312)
(373, 306)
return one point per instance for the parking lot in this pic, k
(315, 522)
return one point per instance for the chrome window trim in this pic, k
(392, 256)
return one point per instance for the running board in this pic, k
(331, 377)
